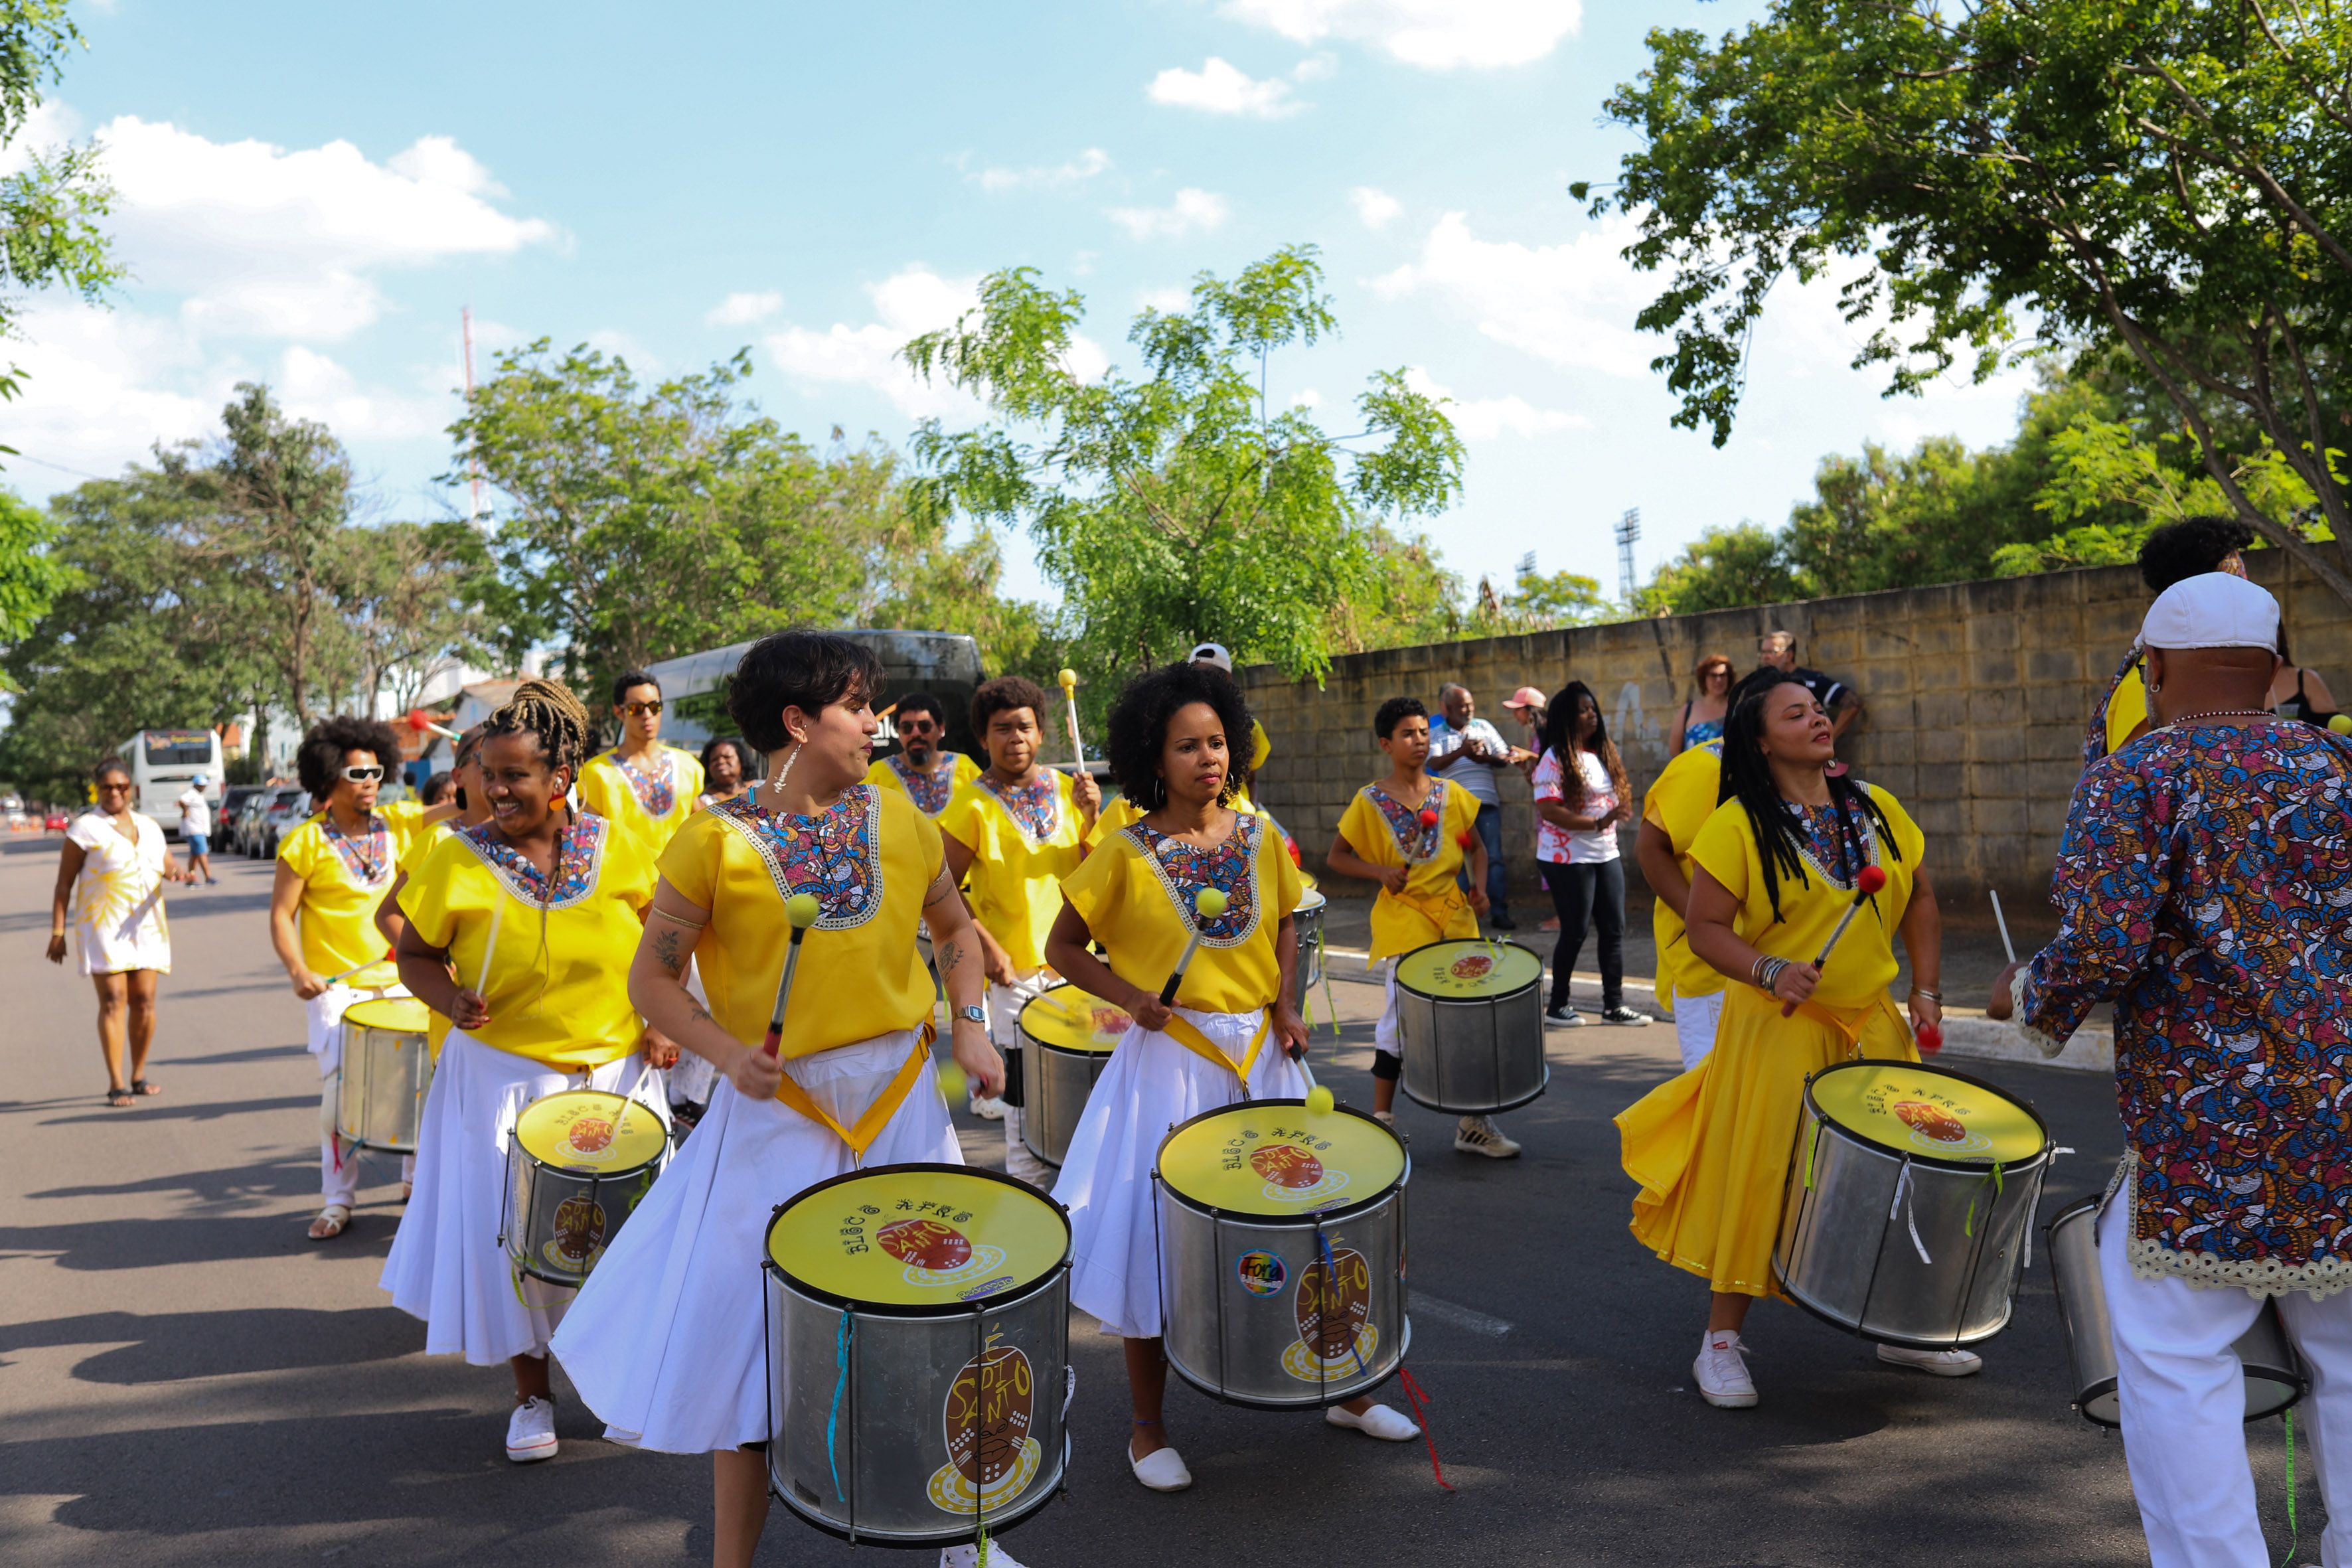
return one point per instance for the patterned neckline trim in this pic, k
(579, 858)
(836, 854)
(1184, 869)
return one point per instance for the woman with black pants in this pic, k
(1581, 795)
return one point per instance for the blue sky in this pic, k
(308, 195)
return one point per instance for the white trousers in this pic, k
(2184, 1410)
(1004, 1005)
(1694, 1021)
(1384, 1033)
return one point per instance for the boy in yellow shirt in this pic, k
(1411, 833)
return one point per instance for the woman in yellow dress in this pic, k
(109, 887)
(646, 788)
(1772, 871)
(666, 1342)
(1234, 1030)
(515, 931)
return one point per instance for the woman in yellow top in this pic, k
(1773, 869)
(332, 873)
(514, 931)
(922, 768)
(1012, 833)
(464, 794)
(645, 787)
(1410, 833)
(1232, 1033)
(666, 1342)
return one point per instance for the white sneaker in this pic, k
(985, 1107)
(1379, 1421)
(968, 1557)
(1162, 1469)
(1934, 1364)
(1479, 1135)
(530, 1432)
(1722, 1372)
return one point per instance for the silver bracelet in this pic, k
(1934, 996)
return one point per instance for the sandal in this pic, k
(140, 1086)
(334, 1216)
(117, 1097)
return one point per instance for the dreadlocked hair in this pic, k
(548, 709)
(1747, 778)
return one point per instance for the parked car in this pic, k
(225, 820)
(248, 821)
(54, 820)
(289, 804)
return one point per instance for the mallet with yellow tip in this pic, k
(1069, 681)
(1210, 903)
(801, 909)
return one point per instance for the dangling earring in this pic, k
(777, 783)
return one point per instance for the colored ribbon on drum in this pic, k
(869, 1126)
(1184, 1032)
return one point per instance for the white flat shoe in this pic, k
(530, 1432)
(1162, 1469)
(1379, 1421)
(1934, 1364)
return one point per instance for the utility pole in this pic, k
(1629, 529)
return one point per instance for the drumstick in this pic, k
(1868, 882)
(1069, 679)
(419, 722)
(497, 913)
(355, 968)
(1211, 903)
(801, 909)
(2000, 921)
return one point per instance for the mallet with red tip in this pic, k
(1869, 881)
(423, 722)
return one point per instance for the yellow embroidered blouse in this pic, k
(1680, 801)
(651, 797)
(343, 881)
(1022, 846)
(1135, 892)
(939, 788)
(1383, 831)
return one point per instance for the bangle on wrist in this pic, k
(1934, 996)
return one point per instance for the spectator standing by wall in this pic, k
(1528, 705)
(1703, 714)
(1467, 751)
(1777, 650)
(1581, 794)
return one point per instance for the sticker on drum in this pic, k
(924, 1236)
(1916, 1110)
(1334, 1309)
(1269, 1158)
(392, 1014)
(590, 1131)
(1261, 1273)
(1074, 1020)
(992, 1459)
(1465, 970)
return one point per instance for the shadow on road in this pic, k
(169, 1347)
(150, 1243)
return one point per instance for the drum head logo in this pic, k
(1938, 1131)
(992, 1457)
(1471, 967)
(578, 1234)
(936, 1253)
(1294, 1174)
(1262, 1273)
(1110, 1023)
(1334, 1311)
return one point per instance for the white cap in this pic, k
(2212, 610)
(1213, 653)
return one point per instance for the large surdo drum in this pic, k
(1066, 1039)
(1470, 1024)
(2275, 1377)
(1909, 1203)
(1306, 919)
(577, 1164)
(1282, 1253)
(387, 1066)
(918, 1320)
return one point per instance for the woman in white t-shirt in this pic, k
(110, 877)
(1581, 794)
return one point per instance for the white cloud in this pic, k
(103, 386)
(1220, 87)
(743, 310)
(1572, 304)
(1375, 208)
(1172, 301)
(1094, 161)
(908, 303)
(313, 386)
(1484, 419)
(1437, 35)
(1191, 210)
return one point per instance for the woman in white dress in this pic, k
(110, 877)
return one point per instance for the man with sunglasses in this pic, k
(922, 769)
(641, 784)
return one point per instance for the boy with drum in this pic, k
(666, 1341)
(1012, 833)
(1411, 833)
(1776, 865)
(512, 929)
(1232, 1033)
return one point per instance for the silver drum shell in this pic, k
(1055, 1083)
(1308, 922)
(380, 1087)
(1845, 1251)
(1476, 1056)
(1235, 1344)
(2274, 1376)
(536, 1219)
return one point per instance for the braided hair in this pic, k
(548, 709)
(1747, 778)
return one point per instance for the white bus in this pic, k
(162, 761)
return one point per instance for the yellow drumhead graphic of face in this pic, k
(1264, 1159)
(918, 1237)
(1074, 1020)
(1466, 971)
(1916, 1110)
(588, 1129)
(399, 1014)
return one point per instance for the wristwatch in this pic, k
(974, 1015)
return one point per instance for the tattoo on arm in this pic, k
(666, 951)
(942, 887)
(950, 956)
(698, 1014)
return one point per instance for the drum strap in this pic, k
(1183, 1030)
(885, 1105)
(1438, 911)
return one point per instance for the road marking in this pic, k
(1447, 1313)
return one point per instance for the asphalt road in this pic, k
(184, 1379)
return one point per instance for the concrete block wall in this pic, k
(1977, 694)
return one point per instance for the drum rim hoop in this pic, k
(2041, 1158)
(895, 1310)
(515, 1145)
(1407, 987)
(347, 1022)
(1252, 1216)
(1084, 1053)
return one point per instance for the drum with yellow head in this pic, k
(1066, 1039)
(1470, 1025)
(577, 1164)
(385, 1069)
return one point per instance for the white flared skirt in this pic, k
(447, 1266)
(664, 1340)
(1153, 1083)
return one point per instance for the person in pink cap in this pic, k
(1527, 706)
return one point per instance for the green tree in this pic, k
(2163, 179)
(1176, 505)
(411, 598)
(32, 576)
(1723, 569)
(1412, 599)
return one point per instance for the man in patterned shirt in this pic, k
(2205, 888)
